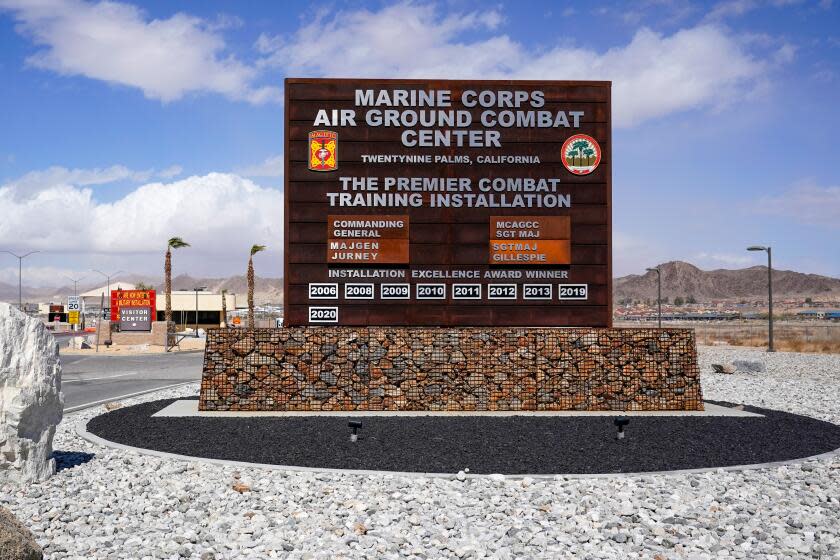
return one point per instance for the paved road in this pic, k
(94, 379)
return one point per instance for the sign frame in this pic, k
(591, 240)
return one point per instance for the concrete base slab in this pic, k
(189, 408)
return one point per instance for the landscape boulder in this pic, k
(16, 542)
(31, 402)
(723, 368)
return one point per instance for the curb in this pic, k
(81, 431)
(128, 396)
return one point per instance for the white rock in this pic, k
(750, 366)
(31, 402)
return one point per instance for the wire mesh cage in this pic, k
(378, 368)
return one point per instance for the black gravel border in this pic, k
(509, 445)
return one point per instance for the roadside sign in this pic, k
(74, 303)
(131, 298)
(135, 318)
(106, 312)
(73, 317)
(237, 321)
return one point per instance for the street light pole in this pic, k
(20, 272)
(769, 292)
(75, 284)
(108, 277)
(658, 293)
(197, 289)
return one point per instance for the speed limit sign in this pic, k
(74, 303)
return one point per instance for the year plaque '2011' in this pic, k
(451, 203)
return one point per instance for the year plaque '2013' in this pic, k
(451, 203)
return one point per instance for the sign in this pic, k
(135, 318)
(367, 240)
(74, 308)
(132, 298)
(451, 203)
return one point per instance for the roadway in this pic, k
(88, 380)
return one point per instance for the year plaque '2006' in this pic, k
(451, 203)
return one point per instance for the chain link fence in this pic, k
(787, 335)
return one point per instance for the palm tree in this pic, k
(173, 243)
(580, 145)
(589, 153)
(224, 308)
(254, 250)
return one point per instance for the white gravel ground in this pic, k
(126, 505)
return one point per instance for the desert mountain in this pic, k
(266, 290)
(678, 279)
(684, 279)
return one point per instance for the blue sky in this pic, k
(126, 123)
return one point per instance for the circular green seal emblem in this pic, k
(581, 154)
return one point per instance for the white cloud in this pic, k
(731, 8)
(118, 43)
(170, 172)
(271, 166)
(806, 203)
(632, 253)
(39, 276)
(785, 54)
(218, 213)
(653, 75)
(35, 181)
(710, 260)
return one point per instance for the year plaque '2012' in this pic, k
(451, 203)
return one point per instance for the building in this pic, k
(825, 315)
(189, 307)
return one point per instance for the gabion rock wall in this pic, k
(396, 368)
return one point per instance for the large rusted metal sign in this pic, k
(452, 203)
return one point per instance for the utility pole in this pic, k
(20, 272)
(658, 294)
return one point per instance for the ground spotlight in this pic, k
(356, 425)
(620, 422)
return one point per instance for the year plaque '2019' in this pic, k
(451, 203)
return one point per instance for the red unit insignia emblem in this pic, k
(323, 150)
